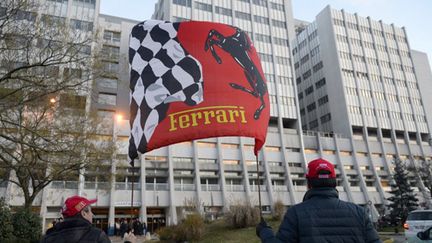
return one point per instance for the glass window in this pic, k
(108, 83)
(107, 99)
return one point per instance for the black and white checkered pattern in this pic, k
(161, 72)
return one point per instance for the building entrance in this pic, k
(155, 219)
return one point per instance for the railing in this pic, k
(64, 184)
(184, 187)
(254, 188)
(210, 187)
(235, 188)
(157, 187)
(127, 186)
(97, 185)
(280, 188)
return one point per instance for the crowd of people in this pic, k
(122, 226)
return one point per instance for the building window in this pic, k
(322, 100)
(309, 90)
(263, 38)
(320, 83)
(280, 41)
(182, 160)
(187, 3)
(107, 99)
(260, 2)
(277, 6)
(313, 124)
(230, 145)
(203, 6)
(317, 67)
(107, 83)
(325, 118)
(111, 36)
(223, 11)
(261, 19)
(272, 148)
(279, 24)
(81, 25)
(311, 107)
(231, 162)
(206, 144)
(242, 15)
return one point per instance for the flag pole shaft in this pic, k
(132, 191)
(259, 185)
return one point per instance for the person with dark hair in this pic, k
(322, 216)
(77, 225)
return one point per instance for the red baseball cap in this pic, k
(74, 205)
(317, 165)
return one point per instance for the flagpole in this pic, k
(259, 186)
(132, 191)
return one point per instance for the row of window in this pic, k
(371, 45)
(366, 29)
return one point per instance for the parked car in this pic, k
(417, 221)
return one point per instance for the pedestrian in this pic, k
(123, 227)
(321, 217)
(129, 236)
(144, 228)
(77, 224)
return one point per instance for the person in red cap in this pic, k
(322, 216)
(77, 225)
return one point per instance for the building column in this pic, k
(143, 209)
(111, 212)
(172, 205)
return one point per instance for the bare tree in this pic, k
(46, 72)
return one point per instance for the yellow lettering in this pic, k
(207, 115)
(242, 113)
(221, 116)
(173, 121)
(231, 115)
(194, 117)
(184, 121)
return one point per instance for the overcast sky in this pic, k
(415, 15)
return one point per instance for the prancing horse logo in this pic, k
(238, 45)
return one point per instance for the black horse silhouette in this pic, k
(238, 45)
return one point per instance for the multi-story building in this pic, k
(218, 172)
(359, 78)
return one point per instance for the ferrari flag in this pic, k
(193, 80)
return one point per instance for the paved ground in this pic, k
(393, 238)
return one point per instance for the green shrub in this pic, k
(27, 226)
(166, 233)
(242, 216)
(6, 228)
(190, 229)
(278, 210)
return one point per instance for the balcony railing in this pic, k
(254, 188)
(127, 186)
(184, 187)
(210, 187)
(157, 187)
(64, 184)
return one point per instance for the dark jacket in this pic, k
(74, 230)
(322, 217)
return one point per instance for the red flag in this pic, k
(193, 80)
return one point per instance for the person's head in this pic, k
(321, 173)
(130, 230)
(77, 206)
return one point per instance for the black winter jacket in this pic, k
(322, 217)
(75, 230)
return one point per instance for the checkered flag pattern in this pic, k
(161, 72)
